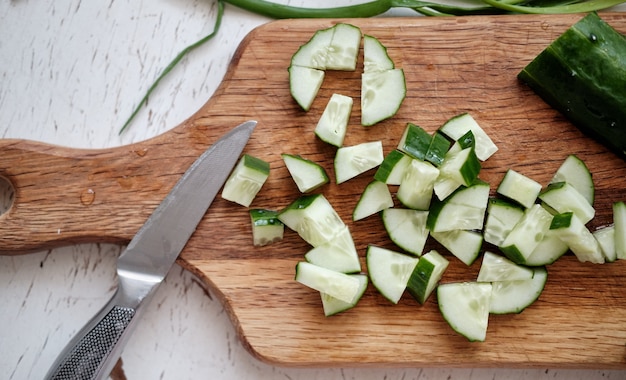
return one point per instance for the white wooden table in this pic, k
(71, 72)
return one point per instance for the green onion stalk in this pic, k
(378, 7)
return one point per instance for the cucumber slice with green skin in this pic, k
(375, 57)
(459, 125)
(313, 218)
(619, 221)
(502, 216)
(437, 149)
(519, 188)
(582, 74)
(338, 254)
(465, 306)
(497, 268)
(524, 238)
(350, 161)
(458, 169)
(549, 249)
(314, 53)
(391, 170)
(426, 275)
(333, 306)
(416, 187)
(406, 228)
(389, 271)
(344, 47)
(578, 238)
(336, 284)
(246, 180)
(512, 297)
(333, 124)
(304, 84)
(462, 210)
(415, 141)
(574, 171)
(606, 238)
(266, 227)
(382, 94)
(465, 245)
(307, 175)
(563, 197)
(375, 198)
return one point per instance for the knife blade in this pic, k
(93, 352)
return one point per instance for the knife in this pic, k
(93, 352)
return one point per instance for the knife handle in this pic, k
(93, 352)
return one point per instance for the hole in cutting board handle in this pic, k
(7, 195)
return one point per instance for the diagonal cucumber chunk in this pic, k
(376, 197)
(514, 296)
(382, 94)
(246, 180)
(338, 254)
(375, 55)
(497, 268)
(266, 227)
(406, 228)
(459, 125)
(307, 175)
(342, 286)
(332, 305)
(574, 171)
(333, 124)
(304, 84)
(465, 306)
(571, 230)
(313, 218)
(389, 271)
(426, 275)
(350, 161)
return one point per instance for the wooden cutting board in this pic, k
(452, 65)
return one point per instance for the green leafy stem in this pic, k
(378, 7)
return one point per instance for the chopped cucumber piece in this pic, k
(307, 175)
(415, 141)
(575, 172)
(465, 306)
(437, 149)
(304, 84)
(465, 245)
(459, 125)
(333, 306)
(332, 125)
(314, 53)
(497, 268)
(338, 254)
(416, 187)
(336, 284)
(519, 188)
(266, 227)
(578, 238)
(462, 210)
(382, 94)
(514, 296)
(344, 47)
(389, 271)
(391, 170)
(549, 249)
(353, 160)
(426, 275)
(376, 197)
(563, 197)
(502, 216)
(619, 221)
(527, 234)
(313, 218)
(582, 74)
(246, 180)
(375, 57)
(606, 238)
(406, 228)
(458, 169)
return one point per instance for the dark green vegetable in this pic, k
(582, 74)
(378, 7)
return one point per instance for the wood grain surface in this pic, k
(65, 196)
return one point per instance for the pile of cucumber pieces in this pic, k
(437, 180)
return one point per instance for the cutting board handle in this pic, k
(66, 196)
